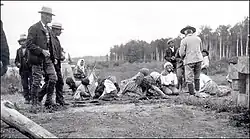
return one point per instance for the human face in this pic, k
(58, 32)
(204, 54)
(82, 63)
(22, 42)
(47, 18)
(171, 44)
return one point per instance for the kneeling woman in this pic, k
(107, 89)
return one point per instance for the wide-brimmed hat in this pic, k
(23, 37)
(170, 40)
(205, 51)
(47, 10)
(57, 25)
(188, 27)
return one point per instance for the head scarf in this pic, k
(155, 75)
(144, 71)
(79, 64)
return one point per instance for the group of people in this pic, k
(40, 56)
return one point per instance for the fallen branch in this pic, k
(20, 122)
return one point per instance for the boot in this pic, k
(191, 88)
(197, 85)
(50, 91)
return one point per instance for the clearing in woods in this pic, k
(147, 118)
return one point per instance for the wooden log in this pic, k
(20, 122)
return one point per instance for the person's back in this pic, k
(191, 49)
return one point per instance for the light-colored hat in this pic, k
(188, 27)
(170, 40)
(155, 75)
(22, 37)
(167, 64)
(47, 10)
(57, 25)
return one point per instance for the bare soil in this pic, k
(155, 118)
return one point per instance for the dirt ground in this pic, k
(163, 118)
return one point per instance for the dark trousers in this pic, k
(59, 87)
(47, 68)
(26, 80)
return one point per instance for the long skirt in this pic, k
(210, 88)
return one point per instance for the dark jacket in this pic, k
(56, 47)
(168, 54)
(4, 48)
(22, 59)
(37, 42)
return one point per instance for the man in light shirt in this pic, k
(190, 51)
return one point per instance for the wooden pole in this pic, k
(20, 122)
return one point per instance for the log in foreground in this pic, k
(20, 122)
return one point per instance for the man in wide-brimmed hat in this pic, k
(57, 58)
(24, 68)
(190, 51)
(40, 57)
(170, 53)
(5, 55)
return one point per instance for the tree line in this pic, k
(225, 42)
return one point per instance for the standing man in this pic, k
(170, 53)
(5, 55)
(57, 58)
(24, 68)
(40, 51)
(190, 51)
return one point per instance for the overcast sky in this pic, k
(92, 27)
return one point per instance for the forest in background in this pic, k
(225, 42)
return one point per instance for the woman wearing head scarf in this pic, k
(132, 87)
(169, 80)
(80, 69)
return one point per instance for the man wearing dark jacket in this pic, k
(5, 55)
(170, 53)
(40, 52)
(24, 68)
(57, 58)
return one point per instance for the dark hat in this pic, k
(85, 81)
(205, 51)
(188, 27)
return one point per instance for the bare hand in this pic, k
(46, 53)
(172, 58)
(18, 65)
